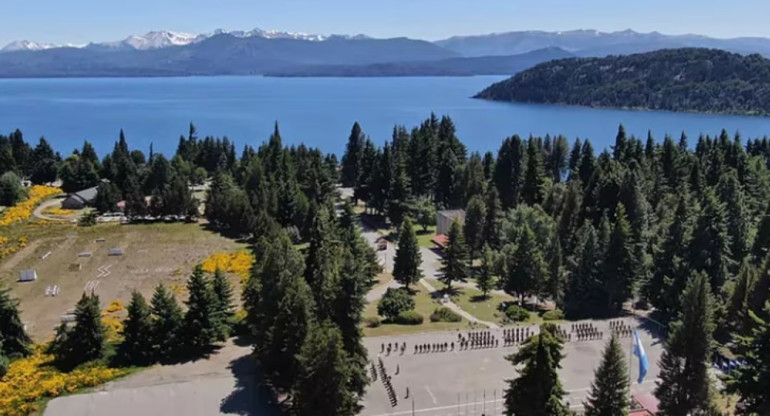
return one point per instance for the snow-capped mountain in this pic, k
(164, 39)
(25, 45)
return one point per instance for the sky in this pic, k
(82, 21)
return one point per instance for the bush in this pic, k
(393, 302)
(554, 315)
(444, 314)
(409, 318)
(11, 190)
(372, 322)
(88, 220)
(516, 313)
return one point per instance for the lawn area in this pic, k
(424, 237)
(424, 305)
(469, 300)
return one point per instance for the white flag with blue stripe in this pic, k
(639, 352)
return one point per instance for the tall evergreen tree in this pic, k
(137, 343)
(351, 160)
(167, 324)
(684, 387)
(532, 188)
(454, 262)
(202, 326)
(537, 391)
(527, 271)
(557, 279)
(750, 380)
(485, 278)
(223, 293)
(618, 273)
(509, 170)
(492, 218)
(710, 247)
(609, 394)
(408, 260)
(321, 387)
(473, 229)
(16, 342)
(583, 284)
(85, 341)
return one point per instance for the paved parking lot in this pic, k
(467, 382)
(471, 382)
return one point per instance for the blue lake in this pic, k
(316, 111)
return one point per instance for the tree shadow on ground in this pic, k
(479, 298)
(250, 395)
(236, 235)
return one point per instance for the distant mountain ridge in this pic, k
(222, 54)
(590, 43)
(167, 38)
(688, 79)
(260, 52)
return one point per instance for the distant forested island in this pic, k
(687, 79)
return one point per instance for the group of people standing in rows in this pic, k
(621, 329)
(386, 380)
(391, 347)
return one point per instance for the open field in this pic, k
(424, 305)
(153, 253)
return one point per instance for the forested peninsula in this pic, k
(687, 79)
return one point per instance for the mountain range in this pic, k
(263, 52)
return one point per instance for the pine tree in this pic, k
(202, 326)
(492, 218)
(351, 160)
(408, 260)
(537, 391)
(223, 293)
(750, 380)
(684, 386)
(618, 274)
(137, 343)
(86, 339)
(527, 271)
(454, 262)
(321, 387)
(710, 247)
(557, 279)
(738, 305)
(671, 263)
(509, 170)
(473, 230)
(280, 355)
(485, 278)
(532, 188)
(583, 284)
(609, 394)
(737, 221)
(16, 342)
(167, 324)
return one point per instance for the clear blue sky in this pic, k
(80, 21)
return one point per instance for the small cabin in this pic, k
(27, 276)
(444, 220)
(80, 199)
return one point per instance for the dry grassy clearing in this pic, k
(152, 253)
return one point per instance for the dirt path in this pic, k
(453, 306)
(20, 255)
(38, 212)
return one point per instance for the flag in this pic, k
(639, 352)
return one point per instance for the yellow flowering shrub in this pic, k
(23, 210)
(115, 306)
(8, 246)
(238, 263)
(33, 378)
(178, 289)
(113, 328)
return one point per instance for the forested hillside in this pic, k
(589, 230)
(698, 80)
